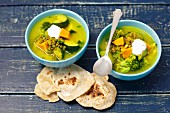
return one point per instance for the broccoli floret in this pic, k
(131, 63)
(135, 65)
(143, 62)
(122, 67)
(117, 56)
(118, 33)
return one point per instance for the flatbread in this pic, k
(46, 81)
(53, 97)
(106, 77)
(73, 81)
(100, 96)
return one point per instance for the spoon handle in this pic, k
(116, 17)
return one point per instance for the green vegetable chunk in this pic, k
(71, 46)
(45, 26)
(117, 34)
(144, 53)
(143, 62)
(131, 63)
(58, 53)
(72, 31)
(61, 20)
(71, 28)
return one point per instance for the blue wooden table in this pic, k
(18, 70)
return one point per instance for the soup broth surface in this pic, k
(79, 35)
(151, 57)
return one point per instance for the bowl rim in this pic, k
(58, 10)
(137, 74)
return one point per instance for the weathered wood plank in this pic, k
(14, 20)
(124, 104)
(18, 71)
(78, 2)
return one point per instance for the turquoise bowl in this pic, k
(61, 63)
(142, 26)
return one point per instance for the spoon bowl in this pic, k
(103, 66)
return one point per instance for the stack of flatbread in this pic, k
(75, 83)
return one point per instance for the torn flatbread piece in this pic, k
(73, 81)
(53, 97)
(46, 81)
(100, 96)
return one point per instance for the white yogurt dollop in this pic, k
(138, 46)
(54, 31)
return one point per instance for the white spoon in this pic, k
(103, 66)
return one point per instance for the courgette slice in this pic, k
(71, 46)
(61, 20)
(71, 28)
(70, 43)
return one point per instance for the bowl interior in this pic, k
(142, 26)
(53, 12)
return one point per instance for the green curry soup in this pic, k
(124, 61)
(72, 38)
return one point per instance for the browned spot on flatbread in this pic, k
(90, 90)
(95, 91)
(49, 72)
(68, 82)
(60, 82)
(71, 81)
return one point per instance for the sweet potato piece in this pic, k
(127, 52)
(43, 46)
(119, 41)
(148, 46)
(65, 34)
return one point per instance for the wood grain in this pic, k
(14, 20)
(18, 71)
(124, 104)
(80, 2)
